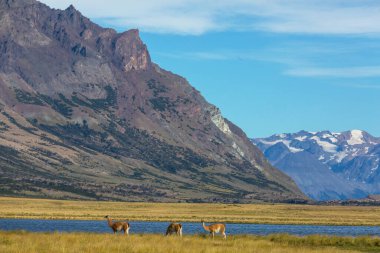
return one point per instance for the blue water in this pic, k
(140, 227)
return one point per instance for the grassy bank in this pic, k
(239, 213)
(81, 242)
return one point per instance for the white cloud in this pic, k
(164, 16)
(348, 72)
(196, 17)
(337, 17)
(321, 17)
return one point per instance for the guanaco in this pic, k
(174, 228)
(215, 228)
(118, 226)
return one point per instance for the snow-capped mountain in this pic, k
(327, 165)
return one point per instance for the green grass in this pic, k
(19, 241)
(363, 243)
(231, 213)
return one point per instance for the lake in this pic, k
(141, 227)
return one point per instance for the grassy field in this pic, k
(231, 213)
(80, 242)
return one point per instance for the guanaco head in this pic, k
(107, 216)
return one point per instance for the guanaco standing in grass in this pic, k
(118, 226)
(215, 228)
(174, 228)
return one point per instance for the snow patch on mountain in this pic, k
(301, 138)
(326, 146)
(286, 143)
(340, 156)
(348, 160)
(356, 137)
(271, 143)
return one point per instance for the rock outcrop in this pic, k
(86, 114)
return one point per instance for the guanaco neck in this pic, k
(110, 223)
(205, 227)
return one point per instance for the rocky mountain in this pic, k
(85, 113)
(327, 165)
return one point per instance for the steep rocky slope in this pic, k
(85, 113)
(327, 165)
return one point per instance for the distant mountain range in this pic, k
(86, 114)
(327, 165)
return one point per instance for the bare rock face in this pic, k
(131, 52)
(86, 114)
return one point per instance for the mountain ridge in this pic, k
(340, 165)
(85, 113)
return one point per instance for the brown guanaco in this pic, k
(118, 225)
(174, 228)
(215, 228)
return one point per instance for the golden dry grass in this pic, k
(12, 242)
(231, 213)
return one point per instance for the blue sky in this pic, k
(271, 66)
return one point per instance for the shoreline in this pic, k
(190, 221)
(196, 235)
(266, 214)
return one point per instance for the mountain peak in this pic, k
(132, 52)
(95, 108)
(351, 159)
(71, 8)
